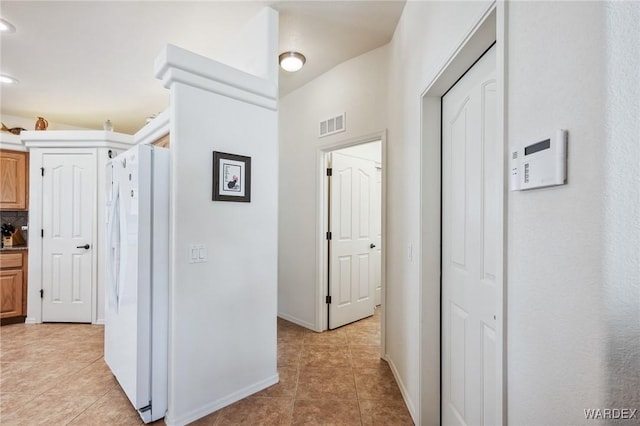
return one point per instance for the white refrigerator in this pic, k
(137, 292)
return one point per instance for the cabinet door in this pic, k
(13, 180)
(11, 293)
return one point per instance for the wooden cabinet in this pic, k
(13, 284)
(14, 177)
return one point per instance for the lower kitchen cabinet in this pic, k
(13, 284)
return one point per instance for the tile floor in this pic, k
(54, 374)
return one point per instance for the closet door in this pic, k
(68, 220)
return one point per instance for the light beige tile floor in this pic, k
(54, 374)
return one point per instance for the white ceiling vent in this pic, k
(333, 125)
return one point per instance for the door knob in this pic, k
(372, 245)
(86, 246)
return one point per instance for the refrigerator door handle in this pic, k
(114, 247)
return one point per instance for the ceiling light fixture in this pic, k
(292, 61)
(5, 79)
(6, 27)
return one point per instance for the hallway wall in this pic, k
(573, 279)
(357, 87)
(573, 291)
(427, 34)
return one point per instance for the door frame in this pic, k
(322, 261)
(35, 279)
(489, 27)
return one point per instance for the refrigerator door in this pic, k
(128, 310)
(159, 283)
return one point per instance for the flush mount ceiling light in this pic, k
(292, 61)
(6, 27)
(5, 79)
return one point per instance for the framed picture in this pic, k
(231, 177)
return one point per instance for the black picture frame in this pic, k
(231, 177)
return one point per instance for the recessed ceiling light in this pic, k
(5, 79)
(292, 61)
(6, 27)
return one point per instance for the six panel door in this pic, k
(352, 228)
(67, 220)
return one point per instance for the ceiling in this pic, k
(82, 62)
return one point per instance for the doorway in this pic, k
(439, 383)
(68, 203)
(351, 232)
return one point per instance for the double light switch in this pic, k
(197, 253)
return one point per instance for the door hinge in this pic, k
(41, 294)
(329, 171)
(42, 233)
(42, 171)
(328, 299)
(329, 235)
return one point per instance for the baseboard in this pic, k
(30, 320)
(221, 403)
(297, 321)
(403, 389)
(99, 321)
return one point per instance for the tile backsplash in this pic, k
(16, 218)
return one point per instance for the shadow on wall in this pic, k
(622, 211)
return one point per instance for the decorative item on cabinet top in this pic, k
(12, 130)
(41, 124)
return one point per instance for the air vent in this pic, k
(333, 125)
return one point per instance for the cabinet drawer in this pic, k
(11, 260)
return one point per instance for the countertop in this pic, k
(14, 248)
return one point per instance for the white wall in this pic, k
(573, 296)
(622, 206)
(29, 123)
(250, 50)
(428, 32)
(573, 275)
(222, 340)
(357, 87)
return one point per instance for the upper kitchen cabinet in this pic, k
(14, 180)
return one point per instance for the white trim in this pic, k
(176, 65)
(321, 230)
(205, 410)
(298, 321)
(76, 139)
(11, 142)
(503, 179)
(403, 390)
(490, 26)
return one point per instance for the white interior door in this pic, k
(350, 278)
(68, 209)
(377, 233)
(469, 247)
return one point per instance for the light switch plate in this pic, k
(197, 253)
